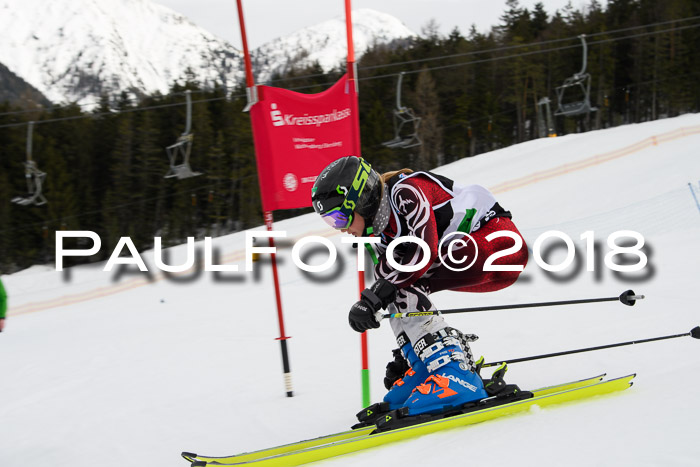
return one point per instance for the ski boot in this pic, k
(399, 388)
(395, 369)
(415, 375)
(451, 382)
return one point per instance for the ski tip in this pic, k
(189, 456)
(627, 378)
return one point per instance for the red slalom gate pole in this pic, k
(352, 90)
(280, 316)
(250, 82)
(352, 81)
(252, 98)
(366, 401)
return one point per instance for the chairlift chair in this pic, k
(34, 176)
(580, 82)
(182, 148)
(406, 124)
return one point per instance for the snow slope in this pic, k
(119, 370)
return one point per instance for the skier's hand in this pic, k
(362, 313)
(2, 324)
(361, 316)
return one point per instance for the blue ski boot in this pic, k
(451, 381)
(415, 375)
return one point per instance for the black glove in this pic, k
(361, 316)
(395, 369)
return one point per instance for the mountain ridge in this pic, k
(78, 50)
(16, 91)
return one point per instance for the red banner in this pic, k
(297, 135)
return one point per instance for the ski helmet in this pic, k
(350, 185)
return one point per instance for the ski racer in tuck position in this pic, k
(352, 197)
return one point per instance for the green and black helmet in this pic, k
(350, 185)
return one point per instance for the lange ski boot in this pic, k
(451, 381)
(415, 375)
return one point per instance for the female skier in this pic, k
(352, 197)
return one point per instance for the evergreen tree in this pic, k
(430, 153)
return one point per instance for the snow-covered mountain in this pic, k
(74, 50)
(326, 43)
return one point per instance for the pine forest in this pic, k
(473, 92)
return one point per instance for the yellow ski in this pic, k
(283, 451)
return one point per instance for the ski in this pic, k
(285, 450)
(325, 451)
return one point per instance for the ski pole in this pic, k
(694, 333)
(628, 298)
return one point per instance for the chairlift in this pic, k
(579, 84)
(182, 148)
(405, 124)
(34, 176)
(545, 125)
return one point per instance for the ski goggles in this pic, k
(337, 219)
(341, 217)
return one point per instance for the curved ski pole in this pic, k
(627, 297)
(694, 333)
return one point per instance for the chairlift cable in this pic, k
(525, 54)
(497, 49)
(602, 41)
(26, 227)
(519, 46)
(133, 100)
(472, 120)
(117, 112)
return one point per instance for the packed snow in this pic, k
(122, 368)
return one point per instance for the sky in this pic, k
(268, 19)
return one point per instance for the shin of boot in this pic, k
(451, 381)
(416, 374)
